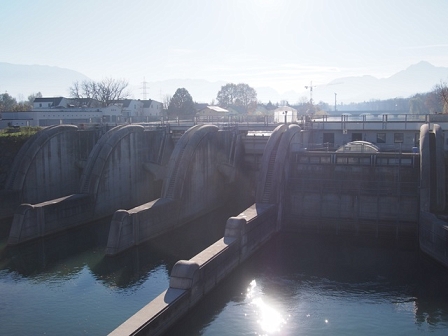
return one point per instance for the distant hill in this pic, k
(54, 81)
(417, 78)
(27, 79)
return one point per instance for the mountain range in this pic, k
(22, 80)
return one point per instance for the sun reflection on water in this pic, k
(269, 318)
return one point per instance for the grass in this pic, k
(19, 132)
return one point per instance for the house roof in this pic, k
(147, 103)
(215, 109)
(122, 102)
(55, 101)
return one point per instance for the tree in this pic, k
(441, 90)
(105, 91)
(7, 102)
(417, 106)
(239, 95)
(181, 105)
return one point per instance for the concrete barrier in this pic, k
(191, 280)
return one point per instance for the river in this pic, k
(295, 285)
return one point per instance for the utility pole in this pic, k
(335, 94)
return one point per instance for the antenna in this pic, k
(311, 91)
(144, 88)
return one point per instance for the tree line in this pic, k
(240, 96)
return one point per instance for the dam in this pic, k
(295, 190)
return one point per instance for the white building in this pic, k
(59, 110)
(285, 114)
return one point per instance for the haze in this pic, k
(281, 44)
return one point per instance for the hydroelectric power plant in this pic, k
(365, 179)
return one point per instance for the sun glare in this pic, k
(269, 319)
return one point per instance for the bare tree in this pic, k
(166, 101)
(441, 90)
(105, 91)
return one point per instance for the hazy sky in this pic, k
(283, 44)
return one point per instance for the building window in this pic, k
(381, 138)
(398, 137)
(40, 105)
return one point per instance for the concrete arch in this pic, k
(272, 173)
(114, 175)
(29, 151)
(200, 177)
(179, 162)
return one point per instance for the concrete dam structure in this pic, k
(398, 195)
(48, 165)
(376, 194)
(131, 165)
(202, 175)
(123, 169)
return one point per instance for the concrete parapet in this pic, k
(191, 280)
(34, 221)
(184, 274)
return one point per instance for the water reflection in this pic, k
(65, 284)
(268, 317)
(327, 285)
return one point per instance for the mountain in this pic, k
(417, 78)
(53, 81)
(23, 80)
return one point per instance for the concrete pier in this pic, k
(201, 176)
(192, 279)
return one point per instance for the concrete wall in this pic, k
(372, 194)
(117, 174)
(191, 280)
(48, 166)
(202, 172)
